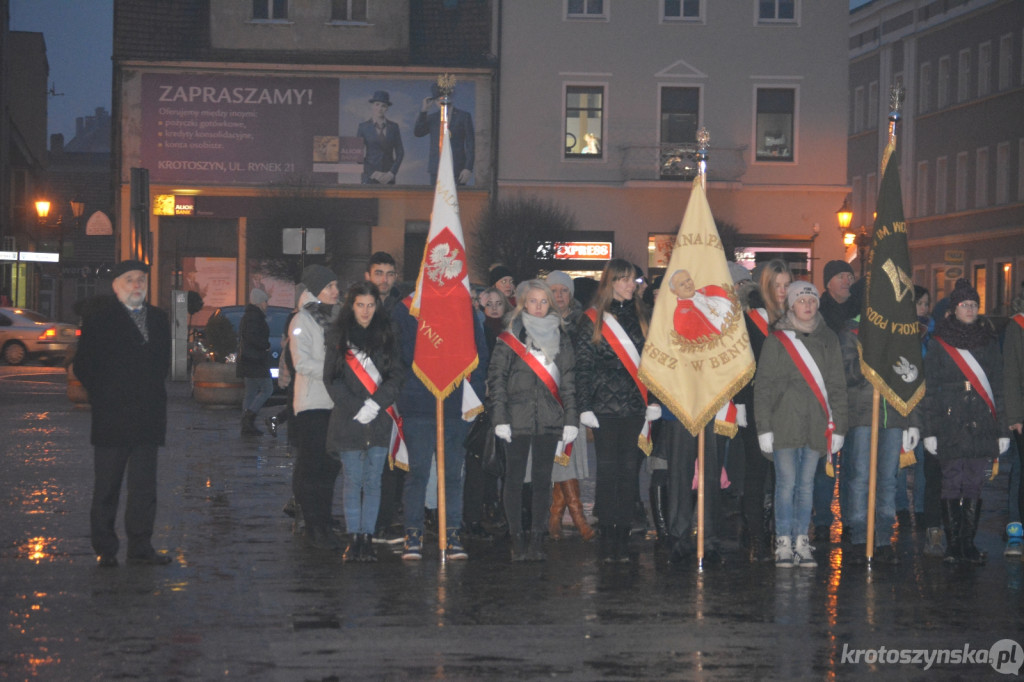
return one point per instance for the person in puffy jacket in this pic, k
(793, 427)
(964, 420)
(363, 374)
(532, 357)
(610, 400)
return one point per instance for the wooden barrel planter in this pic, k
(76, 391)
(214, 384)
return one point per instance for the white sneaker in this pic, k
(802, 553)
(784, 552)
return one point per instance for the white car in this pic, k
(26, 334)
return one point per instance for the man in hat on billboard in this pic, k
(460, 128)
(383, 140)
(123, 357)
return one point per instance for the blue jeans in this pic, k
(361, 473)
(421, 439)
(794, 489)
(856, 460)
(257, 391)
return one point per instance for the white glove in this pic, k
(368, 412)
(766, 440)
(504, 432)
(911, 437)
(588, 418)
(931, 444)
(569, 433)
(1004, 445)
(653, 413)
(837, 443)
(741, 415)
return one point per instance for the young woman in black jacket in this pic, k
(363, 373)
(610, 399)
(531, 389)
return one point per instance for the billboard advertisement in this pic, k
(232, 129)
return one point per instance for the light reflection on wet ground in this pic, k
(244, 599)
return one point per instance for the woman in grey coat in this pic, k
(531, 389)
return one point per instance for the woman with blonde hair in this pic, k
(611, 398)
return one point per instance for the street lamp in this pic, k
(844, 216)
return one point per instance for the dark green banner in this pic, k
(890, 344)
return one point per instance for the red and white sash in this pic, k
(969, 365)
(364, 369)
(812, 375)
(629, 356)
(549, 377)
(759, 316)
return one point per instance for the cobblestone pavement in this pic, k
(245, 599)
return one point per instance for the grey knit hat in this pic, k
(559, 277)
(799, 289)
(257, 296)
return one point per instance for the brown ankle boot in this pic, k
(555, 514)
(572, 500)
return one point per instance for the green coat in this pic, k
(784, 403)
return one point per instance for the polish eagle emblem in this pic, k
(443, 264)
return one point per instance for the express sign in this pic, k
(583, 250)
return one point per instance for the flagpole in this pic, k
(703, 138)
(895, 102)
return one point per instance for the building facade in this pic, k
(961, 138)
(600, 102)
(242, 124)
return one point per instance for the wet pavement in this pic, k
(245, 599)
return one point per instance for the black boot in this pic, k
(951, 522)
(604, 552)
(535, 552)
(518, 546)
(369, 554)
(971, 511)
(249, 427)
(622, 551)
(659, 505)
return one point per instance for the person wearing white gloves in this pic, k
(896, 434)
(363, 373)
(794, 427)
(964, 416)
(611, 401)
(531, 391)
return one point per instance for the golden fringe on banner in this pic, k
(903, 407)
(695, 424)
(442, 393)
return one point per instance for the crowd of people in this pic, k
(557, 371)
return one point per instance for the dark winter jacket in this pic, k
(125, 375)
(860, 391)
(603, 385)
(958, 417)
(415, 400)
(1013, 363)
(518, 397)
(253, 344)
(836, 314)
(784, 402)
(349, 394)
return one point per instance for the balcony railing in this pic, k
(678, 162)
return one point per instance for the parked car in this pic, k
(277, 318)
(26, 334)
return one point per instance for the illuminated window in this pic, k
(776, 109)
(584, 122)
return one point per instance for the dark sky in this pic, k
(78, 34)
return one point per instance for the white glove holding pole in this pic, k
(911, 437)
(837, 443)
(1004, 445)
(368, 412)
(504, 432)
(931, 444)
(653, 413)
(741, 416)
(569, 433)
(766, 440)
(588, 418)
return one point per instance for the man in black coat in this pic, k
(461, 137)
(253, 365)
(123, 358)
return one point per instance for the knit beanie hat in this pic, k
(799, 289)
(963, 291)
(559, 277)
(498, 272)
(834, 267)
(316, 277)
(257, 296)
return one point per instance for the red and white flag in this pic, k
(445, 343)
